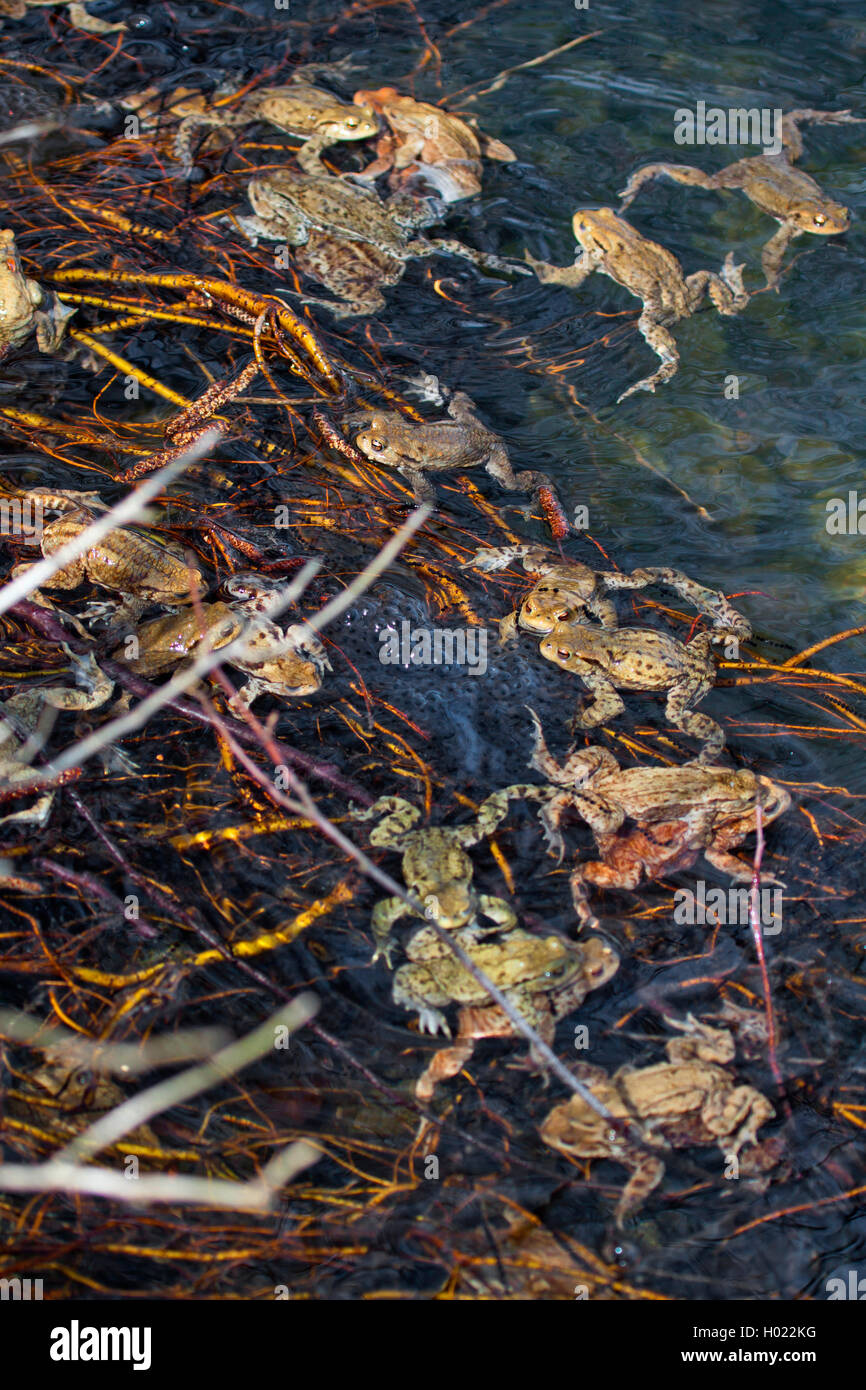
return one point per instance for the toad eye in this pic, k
(351, 122)
(563, 653)
(377, 444)
(557, 971)
(819, 219)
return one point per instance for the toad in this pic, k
(20, 716)
(348, 238)
(78, 15)
(566, 588)
(440, 446)
(650, 272)
(142, 570)
(689, 1100)
(436, 867)
(24, 306)
(675, 814)
(61, 1100)
(299, 108)
(280, 661)
(287, 662)
(609, 658)
(544, 978)
(773, 184)
(634, 658)
(428, 147)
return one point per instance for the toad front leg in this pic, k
(721, 858)
(499, 911)
(773, 253)
(606, 704)
(385, 914)
(648, 1173)
(422, 489)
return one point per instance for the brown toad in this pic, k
(651, 273)
(675, 814)
(772, 183)
(688, 1100)
(141, 569)
(297, 107)
(349, 239)
(287, 662)
(21, 716)
(24, 306)
(634, 658)
(440, 446)
(566, 588)
(428, 146)
(609, 658)
(543, 978)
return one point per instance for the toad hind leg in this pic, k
(572, 276)
(791, 137)
(678, 710)
(727, 290)
(498, 465)
(69, 577)
(401, 816)
(580, 897)
(663, 344)
(385, 914)
(494, 810)
(483, 259)
(710, 602)
(680, 173)
(447, 1062)
(645, 1178)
